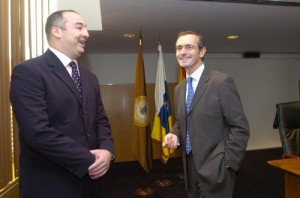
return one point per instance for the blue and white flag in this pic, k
(163, 119)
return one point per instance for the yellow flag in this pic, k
(142, 145)
(181, 74)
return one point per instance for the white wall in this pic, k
(120, 68)
(262, 83)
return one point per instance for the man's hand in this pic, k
(170, 141)
(101, 164)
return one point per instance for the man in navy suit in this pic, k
(214, 131)
(65, 136)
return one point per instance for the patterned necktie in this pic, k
(76, 78)
(189, 98)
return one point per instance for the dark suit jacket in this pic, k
(218, 128)
(57, 130)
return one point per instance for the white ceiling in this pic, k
(91, 11)
(262, 28)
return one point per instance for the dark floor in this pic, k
(256, 179)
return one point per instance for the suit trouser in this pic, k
(194, 189)
(92, 188)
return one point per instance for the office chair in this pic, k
(287, 120)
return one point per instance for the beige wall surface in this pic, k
(262, 82)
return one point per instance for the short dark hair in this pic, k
(56, 19)
(201, 42)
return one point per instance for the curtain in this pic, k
(22, 36)
(5, 127)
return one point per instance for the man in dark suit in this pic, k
(65, 137)
(214, 132)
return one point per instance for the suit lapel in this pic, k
(201, 88)
(182, 96)
(60, 71)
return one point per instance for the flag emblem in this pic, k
(141, 113)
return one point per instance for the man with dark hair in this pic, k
(210, 127)
(65, 137)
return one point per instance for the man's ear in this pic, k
(202, 52)
(56, 32)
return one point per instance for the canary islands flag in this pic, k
(163, 120)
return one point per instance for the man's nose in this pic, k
(86, 33)
(183, 50)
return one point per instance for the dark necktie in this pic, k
(76, 78)
(189, 98)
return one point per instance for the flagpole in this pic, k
(141, 128)
(162, 124)
(163, 181)
(144, 190)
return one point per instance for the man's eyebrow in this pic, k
(81, 24)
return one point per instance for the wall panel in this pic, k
(118, 103)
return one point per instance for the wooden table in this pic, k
(291, 168)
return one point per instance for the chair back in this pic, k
(287, 120)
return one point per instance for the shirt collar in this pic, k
(62, 57)
(197, 74)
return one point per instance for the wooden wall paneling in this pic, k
(299, 87)
(118, 103)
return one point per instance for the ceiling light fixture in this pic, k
(129, 35)
(232, 36)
